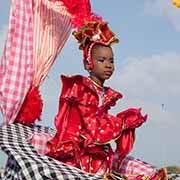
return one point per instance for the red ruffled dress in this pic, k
(85, 129)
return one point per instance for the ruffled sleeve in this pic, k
(70, 87)
(132, 118)
(67, 120)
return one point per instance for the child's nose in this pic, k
(109, 64)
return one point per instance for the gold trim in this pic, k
(96, 84)
(89, 164)
(112, 176)
(107, 142)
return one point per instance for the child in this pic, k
(84, 127)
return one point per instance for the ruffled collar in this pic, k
(111, 96)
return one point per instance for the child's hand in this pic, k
(132, 118)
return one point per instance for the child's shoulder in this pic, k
(76, 77)
(71, 79)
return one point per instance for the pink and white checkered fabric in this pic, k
(131, 167)
(16, 68)
(39, 140)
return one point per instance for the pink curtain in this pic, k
(16, 68)
(38, 29)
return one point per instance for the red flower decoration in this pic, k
(31, 108)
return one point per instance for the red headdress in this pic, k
(91, 33)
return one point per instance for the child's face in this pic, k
(103, 61)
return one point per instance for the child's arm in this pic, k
(132, 118)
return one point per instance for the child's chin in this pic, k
(106, 77)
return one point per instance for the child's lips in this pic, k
(108, 73)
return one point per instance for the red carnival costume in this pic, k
(85, 129)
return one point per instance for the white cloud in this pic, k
(153, 84)
(163, 8)
(3, 35)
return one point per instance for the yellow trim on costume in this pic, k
(104, 143)
(89, 164)
(95, 83)
(108, 142)
(112, 176)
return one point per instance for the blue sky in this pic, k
(147, 71)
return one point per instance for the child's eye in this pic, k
(112, 61)
(101, 60)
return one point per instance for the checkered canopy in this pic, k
(25, 163)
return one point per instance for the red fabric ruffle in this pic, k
(132, 118)
(125, 144)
